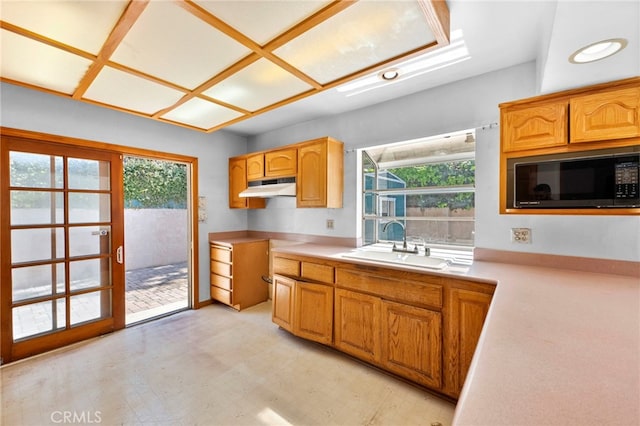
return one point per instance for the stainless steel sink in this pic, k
(420, 261)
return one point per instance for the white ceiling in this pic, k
(500, 34)
(497, 34)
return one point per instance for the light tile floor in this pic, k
(213, 366)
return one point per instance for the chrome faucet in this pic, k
(404, 248)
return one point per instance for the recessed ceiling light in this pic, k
(597, 51)
(390, 74)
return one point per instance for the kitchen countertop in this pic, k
(558, 347)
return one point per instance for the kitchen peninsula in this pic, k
(559, 345)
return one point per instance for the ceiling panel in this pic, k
(170, 43)
(208, 63)
(81, 24)
(259, 85)
(115, 87)
(262, 20)
(202, 114)
(365, 34)
(38, 64)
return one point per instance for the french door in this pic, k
(62, 233)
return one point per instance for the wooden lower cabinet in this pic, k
(357, 324)
(467, 312)
(304, 309)
(313, 312)
(282, 309)
(412, 343)
(236, 271)
(403, 339)
(421, 327)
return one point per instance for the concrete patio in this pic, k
(156, 290)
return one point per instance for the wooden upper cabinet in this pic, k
(255, 167)
(610, 115)
(238, 183)
(320, 180)
(533, 127)
(316, 165)
(280, 163)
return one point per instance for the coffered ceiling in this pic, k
(206, 64)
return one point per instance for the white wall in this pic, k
(471, 103)
(37, 111)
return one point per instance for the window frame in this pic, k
(377, 195)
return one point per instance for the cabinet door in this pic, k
(281, 163)
(357, 325)
(412, 343)
(468, 310)
(283, 293)
(312, 175)
(535, 127)
(604, 116)
(255, 167)
(313, 312)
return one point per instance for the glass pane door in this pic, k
(63, 245)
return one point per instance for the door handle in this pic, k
(119, 255)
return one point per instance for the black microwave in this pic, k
(600, 181)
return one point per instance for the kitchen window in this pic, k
(427, 185)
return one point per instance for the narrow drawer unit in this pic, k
(220, 281)
(236, 270)
(221, 254)
(221, 268)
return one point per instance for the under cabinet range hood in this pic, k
(270, 188)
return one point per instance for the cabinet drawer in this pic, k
(400, 290)
(221, 295)
(221, 254)
(316, 272)
(221, 268)
(286, 267)
(220, 281)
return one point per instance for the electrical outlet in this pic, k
(521, 235)
(329, 223)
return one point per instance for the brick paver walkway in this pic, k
(149, 288)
